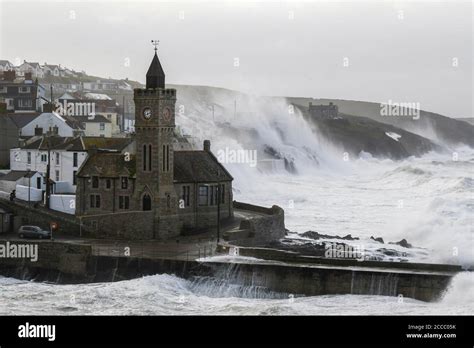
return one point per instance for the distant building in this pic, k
(30, 67)
(51, 70)
(323, 111)
(92, 126)
(21, 95)
(92, 104)
(5, 65)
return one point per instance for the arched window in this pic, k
(146, 202)
(149, 158)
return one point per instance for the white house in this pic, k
(51, 69)
(94, 125)
(53, 122)
(28, 178)
(66, 156)
(5, 65)
(32, 67)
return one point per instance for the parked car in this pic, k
(33, 232)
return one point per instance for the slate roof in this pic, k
(198, 166)
(79, 143)
(155, 77)
(84, 119)
(107, 165)
(189, 167)
(14, 175)
(22, 119)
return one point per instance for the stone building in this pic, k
(157, 191)
(323, 111)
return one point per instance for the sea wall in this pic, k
(75, 263)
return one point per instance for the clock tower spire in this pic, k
(154, 135)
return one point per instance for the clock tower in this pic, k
(154, 134)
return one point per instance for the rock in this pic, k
(378, 239)
(349, 237)
(403, 243)
(316, 236)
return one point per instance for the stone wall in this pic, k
(126, 225)
(57, 262)
(267, 225)
(36, 215)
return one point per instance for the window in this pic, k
(124, 183)
(25, 103)
(102, 126)
(213, 194)
(108, 183)
(166, 158)
(44, 157)
(203, 195)
(57, 158)
(74, 159)
(185, 195)
(57, 175)
(124, 202)
(222, 192)
(95, 201)
(24, 89)
(74, 177)
(144, 158)
(38, 130)
(28, 156)
(95, 182)
(3, 89)
(149, 158)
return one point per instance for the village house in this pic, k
(156, 191)
(5, 65)
(30, 67)
(66, 156)
(21, 95)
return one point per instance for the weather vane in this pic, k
(155, 43)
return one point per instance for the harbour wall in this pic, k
(67, 263)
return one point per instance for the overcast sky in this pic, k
(399, 51)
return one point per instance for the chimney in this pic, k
(48, 107)
(9, 75)
(207, 145)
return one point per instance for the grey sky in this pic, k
(409, 59)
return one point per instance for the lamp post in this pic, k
(218, 208)
(29, 186)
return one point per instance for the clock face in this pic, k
(166, 114)
(146, 112)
